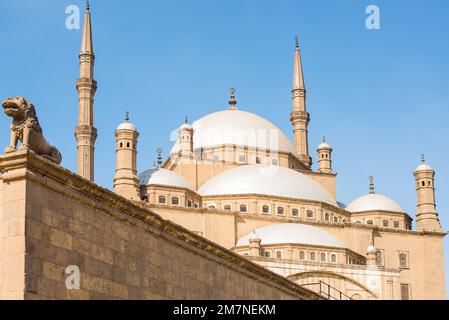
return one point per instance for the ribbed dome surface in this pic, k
(237, 127)
(266, 180)
(293, 233)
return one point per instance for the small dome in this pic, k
(373, 202)
(185, 126)
(236, 127)
(254, 236)
(371, 249)
(162, 177)
(126, 126)
(324, 146)
(266, 180)
(294, 233)
(423, 167)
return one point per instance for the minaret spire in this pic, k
(299, 116)
(85, 132)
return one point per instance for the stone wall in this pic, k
(52, 218)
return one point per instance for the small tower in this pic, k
(85, 132)
(300, 117)
(371, 256)
(185, 137)
(324, 157)
(426, 214)
(126, 181)
(254, 245)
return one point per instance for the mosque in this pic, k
(237, 180)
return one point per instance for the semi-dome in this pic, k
(164, 177)
(293, 233)
(236, 127)
(266, 180)
(374, 202)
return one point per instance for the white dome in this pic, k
(324, 146)
(237, 127)
(293, 233)
(266, 180)
(185, 126)
(162, 177)
(373, 202)
(126, 126)
(423, 167)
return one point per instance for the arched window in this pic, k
(309, 213)
(326, 217)
(396, 224)
(403, 260)
(243, 208)
(369, 222)
(302, 255)
(127, 144)
(162, 199)
(175, 201)
(336, 219)
(121, 144)
(312, 256)
(278, 254)
(211, 206)
(333, 258)
(265, 209)
(386, 223)
(423, 184)
(258, 160)
(267, 254)
(227, 208)
(280, 210)
(323, 257)
(189, 203)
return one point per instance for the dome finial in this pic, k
(186, 120)
(423, 158)
(232, 101)
(87, 5)
(324, 138)
(159, 157)
(296, 42)
(371, 185)
(127, 116)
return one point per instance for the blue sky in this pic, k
(381, 97)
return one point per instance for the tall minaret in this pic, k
(426, 213)
(85, 132)
(299, 116)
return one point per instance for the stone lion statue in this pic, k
(25, 127)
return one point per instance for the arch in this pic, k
(300, 277)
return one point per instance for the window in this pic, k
(405, 291)
(295, 212)
(266, 209)
(127, 144)
(196, 205)
(302, 255)
(278, 254)
(162, 199)
(258, 160)
(211, 206)
(358, 222)
(396, 224)
(333, 258)
(386, 223)
(423, 184)
(121, 145)
(369, 222)
(309, 214)
(335, 219)
(274, 162)
(216, 157)
(312, 256)
(323, 257)
(243, 208)
(403, 260)
(380, 258)
(326, 217)
(189, 203)
(227, 208)
(175, 201)
(280, 210)
(267, 254)
(242, 158)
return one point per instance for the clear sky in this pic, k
(381, 97)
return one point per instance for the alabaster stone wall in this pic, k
(52, 218)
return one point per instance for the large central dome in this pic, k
(235, 127)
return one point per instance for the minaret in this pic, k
(299, 116)
(185, 136)
(126, 181)
(85, 132)
(324, 157)
(426, 214)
